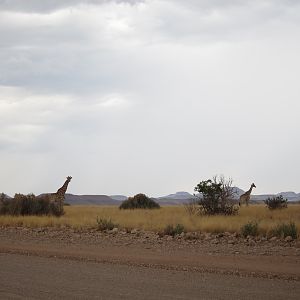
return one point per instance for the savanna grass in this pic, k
(157, 220)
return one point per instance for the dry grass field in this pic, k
(83, 217)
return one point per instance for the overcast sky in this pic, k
(149, 96)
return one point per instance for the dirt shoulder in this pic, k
(223, 254)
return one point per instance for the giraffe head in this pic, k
(69, 178)
(252, 185)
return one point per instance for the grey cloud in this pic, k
(75, 55)
(47, 6)
(222, 21)
(202, 79)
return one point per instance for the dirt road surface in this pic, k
(48, 264)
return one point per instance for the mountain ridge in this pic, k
(177, 198)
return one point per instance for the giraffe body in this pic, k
(245, 198)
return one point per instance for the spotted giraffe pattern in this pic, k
(59, 197)
(245, 198)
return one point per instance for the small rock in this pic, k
(134, 231)
(161, 234)
(231, 242)
(190, 236)
(288, 238)
(273, 239)
(251, 243)
(208, 236)
(169, 238)
(115, 230)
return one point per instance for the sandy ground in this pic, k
(53, 264)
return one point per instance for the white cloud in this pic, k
(113, 101)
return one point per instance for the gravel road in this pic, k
(63, 264)
(31, 277)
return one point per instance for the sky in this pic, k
(149, 96)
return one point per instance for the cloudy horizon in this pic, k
(149, 96)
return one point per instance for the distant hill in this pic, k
(175, 199)
(119, 197)
(178, 195)
(90, 200)
(238, 192)
(171, 199)
(290, 196)
(184, 197)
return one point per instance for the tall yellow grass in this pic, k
(156, 220)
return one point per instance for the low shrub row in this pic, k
(105, 224)
(282, 230)
(173, 230)
(277, 202)
(249, 229)
(21, 205)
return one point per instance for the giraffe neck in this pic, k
(61, 191)
(250, 190)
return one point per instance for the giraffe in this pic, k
(246, 196)
(59, 197)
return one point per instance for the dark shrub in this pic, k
(174, 230)
(217, 197)
(105, 224)
(251, 228)
(276, 202)
(139, 201)
(284, 230)
(56, 210)
(30, 205)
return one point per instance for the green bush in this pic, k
(284, 230)
(174, 230)
(105, 224)
(216, 196)
(276, 202)
(139, 201)
(250, 228)
(29, 205)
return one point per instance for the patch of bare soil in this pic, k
(223, 253)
